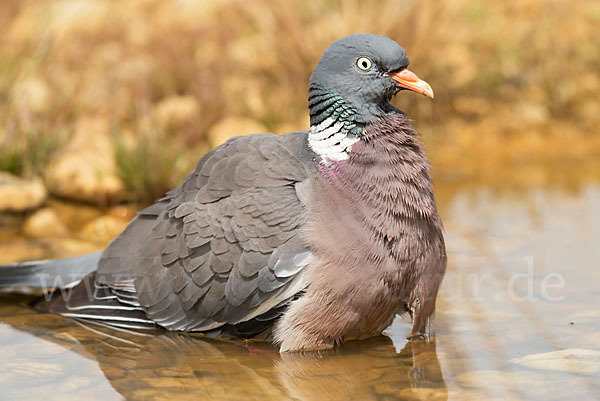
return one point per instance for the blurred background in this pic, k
(107, 104)
(110, 103)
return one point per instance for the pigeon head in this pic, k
(361, 72)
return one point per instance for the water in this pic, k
(523, 282)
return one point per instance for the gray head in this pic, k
(366, 71)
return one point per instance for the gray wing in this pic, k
(223, 248)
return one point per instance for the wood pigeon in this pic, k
(308, 238)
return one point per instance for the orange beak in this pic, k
(409, 80)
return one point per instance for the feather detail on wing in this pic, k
(222, 250)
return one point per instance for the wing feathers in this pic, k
(220, 251)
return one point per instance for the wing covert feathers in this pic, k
(222, 251)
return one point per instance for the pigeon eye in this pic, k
(364, 63)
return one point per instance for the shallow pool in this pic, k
(518, 318)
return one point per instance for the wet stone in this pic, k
(573, 360)
(45, 223)
(85, 169)
(18, 194)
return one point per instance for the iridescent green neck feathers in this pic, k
(333, 126)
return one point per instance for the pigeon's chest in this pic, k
(367, 244)
(357, 253)
(362, 225)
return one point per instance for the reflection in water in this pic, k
(367, 370)
(180, 366)
(522, 282)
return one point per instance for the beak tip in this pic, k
(427, 91)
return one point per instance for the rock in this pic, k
(176, 111)
(103, 229)
(45, 223)
(18, 194)
(85, 170)
(572, 360)
(233, 126)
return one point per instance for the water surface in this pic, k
(523, 281)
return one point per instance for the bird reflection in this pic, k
(183, 366)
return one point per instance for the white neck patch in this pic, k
(330, 141)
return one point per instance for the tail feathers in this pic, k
(48, 274)
(95, 302)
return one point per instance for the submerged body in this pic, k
(317, 236)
